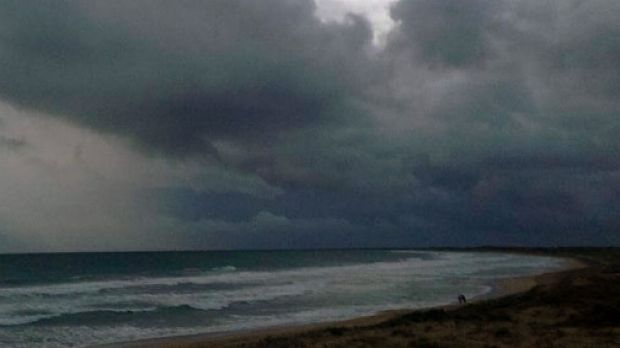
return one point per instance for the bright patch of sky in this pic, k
(377, 12)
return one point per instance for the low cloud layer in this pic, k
(281, 124)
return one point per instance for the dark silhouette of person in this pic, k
(462, 299)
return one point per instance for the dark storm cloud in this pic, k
(445, 32)
(174, 76)
(478, 122)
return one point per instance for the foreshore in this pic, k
(513, 314)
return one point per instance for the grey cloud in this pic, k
(266, 230)
(480, 121)
(174, 76)
(8, 244)
(12, 143)
(445, 32)
(9, 141)
(573, 45)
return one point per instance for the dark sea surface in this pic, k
(80, 299)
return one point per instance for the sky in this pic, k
(232, 124)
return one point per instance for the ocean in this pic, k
(82, 299)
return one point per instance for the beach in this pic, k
(576, 307)
(104, 298)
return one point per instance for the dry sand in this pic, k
(577, 307)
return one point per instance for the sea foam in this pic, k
(232, 297)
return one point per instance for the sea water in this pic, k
(81, 299)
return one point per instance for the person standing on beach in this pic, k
(462, 299)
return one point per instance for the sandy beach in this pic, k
(576, 307)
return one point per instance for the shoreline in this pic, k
(515, 285)
(501, 288)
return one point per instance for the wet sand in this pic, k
(560, 309)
